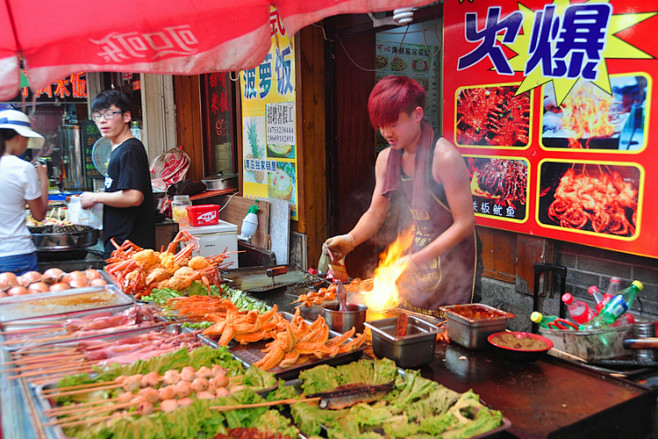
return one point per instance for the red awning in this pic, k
(183, 37)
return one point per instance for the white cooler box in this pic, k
(213, 240)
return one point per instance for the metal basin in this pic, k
(82, 237)
(343, 321)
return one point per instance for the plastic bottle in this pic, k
(613, 290)
(601, 299)
(579, 311)
(615, 308)
(613, 286)
(542, 320)
(627, 318)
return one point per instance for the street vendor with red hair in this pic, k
(431, 176)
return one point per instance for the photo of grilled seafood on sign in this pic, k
(592, 198)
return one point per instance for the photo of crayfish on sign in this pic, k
(598, 198)
(499, 186)
(492, 116)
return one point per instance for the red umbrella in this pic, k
(184, 37)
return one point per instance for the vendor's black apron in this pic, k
(449, 279)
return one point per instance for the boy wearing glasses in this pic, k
(128, 211)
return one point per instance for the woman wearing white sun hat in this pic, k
(21, 183)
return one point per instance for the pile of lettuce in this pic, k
(416, 408)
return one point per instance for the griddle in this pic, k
(263, 279)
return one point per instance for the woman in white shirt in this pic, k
(21, 183)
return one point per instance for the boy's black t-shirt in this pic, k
(129, 169)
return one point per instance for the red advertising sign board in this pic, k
(551, 105)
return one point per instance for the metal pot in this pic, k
(343, 321)
(77, 238)
(220, 181)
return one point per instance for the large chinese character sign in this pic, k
(550, 104)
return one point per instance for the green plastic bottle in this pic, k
(541, 319)
(617, 306)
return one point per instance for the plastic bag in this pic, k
(171, 167)
(85, 217)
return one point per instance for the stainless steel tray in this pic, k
(8, 299)
(255, 279)
(410, 351)
(473, 333)
(59, 302)
(58, 333)
(251, 353)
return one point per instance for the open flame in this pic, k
(583, 108)
(382, 293)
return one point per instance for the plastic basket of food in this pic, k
(203, 214)
(593, 345)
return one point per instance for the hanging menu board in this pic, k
(550, 104)
(269, 138)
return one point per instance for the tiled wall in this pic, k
(594, 266)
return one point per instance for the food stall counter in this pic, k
(549, 398)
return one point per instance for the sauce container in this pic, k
(470, 324)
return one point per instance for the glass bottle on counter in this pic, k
(178, 211)
(617, 306)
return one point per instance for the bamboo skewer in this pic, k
(263, 404)
(561, 353)
(93, 420)
(38, 358)
(33, 330)
(18, 322)
(37, 340)
(51, 377)
(53, 370)
(75, 407)
(91, 411)
(43, 365)
(79, 386)
(92, 389)
(31, 350)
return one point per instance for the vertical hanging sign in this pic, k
(269, 138)
(550, 104)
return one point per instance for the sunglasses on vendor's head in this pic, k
(97, 117)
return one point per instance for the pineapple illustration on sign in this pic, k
(256, 152)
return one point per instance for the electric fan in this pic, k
(100, 154)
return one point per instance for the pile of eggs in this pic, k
(52, 279)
